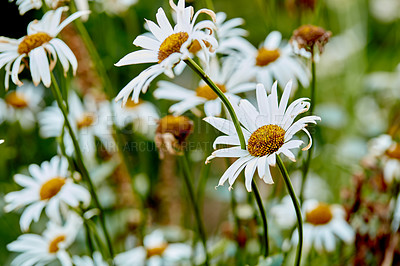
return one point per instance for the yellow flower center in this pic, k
(179, 126)
(51, 187)
(266, 140)
(53, 246)
(394, 151)
(130, 104)
(172, 44)
(33, 41)
(206, 92)
(320, 215)
(16, 100)
(85, 121)
(158, 250)
(195, 46)
(265, 56)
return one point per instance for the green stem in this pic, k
(306, 164)
(296, 204)
(79, 158)
(263, 216)
(89, 239)
(198, 70)
(189, 185)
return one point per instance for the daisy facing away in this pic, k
(166, 46)
(49, 187)
(229, 78)
(41, 47)
(268, 132)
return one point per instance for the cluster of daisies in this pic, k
(269, 123)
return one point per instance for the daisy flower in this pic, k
(306, 37)
(26, 5)
(88, 261)
(272, 61)
(156, 251)
(1, 141)
(22, 105)
(89, 120)
(49, 187)
(324, 223)
(51, 245)
(143, 115)
(166, 46)
(268, 132)
(117, 7)
(229, 78)
(40, 42)
(387, 151)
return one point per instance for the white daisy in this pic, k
(49, 187)
(22, 105)
(117, 7)
(26, 5)
(143, 115)
(229, 78)
(1, 141)
(272, 61)
(51, 245)
(387, 151)
(88, 119)
(268, 131)
(228, 33)
(156, 251)
(40, 46)
(166, 46)
(88, 261)
(323, 224)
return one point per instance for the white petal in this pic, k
(249, 173)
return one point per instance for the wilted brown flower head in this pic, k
(307, 36)
(171, 134)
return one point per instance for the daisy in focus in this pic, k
(268, 132)
(273, 60)
(50, 246)
(49, 187)
(22, 105)
(41, 47)
(166, 46)
(229, 78)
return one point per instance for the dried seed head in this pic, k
(171, 134)
(307, 36)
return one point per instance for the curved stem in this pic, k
(79, 158)
(296, 204)
(306, 164)
(198, 70)
(263, 216)
(189, 186)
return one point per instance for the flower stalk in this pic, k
(79, 158)
(296, 204)
(189, 185)
(306, 164)
(198, 70)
